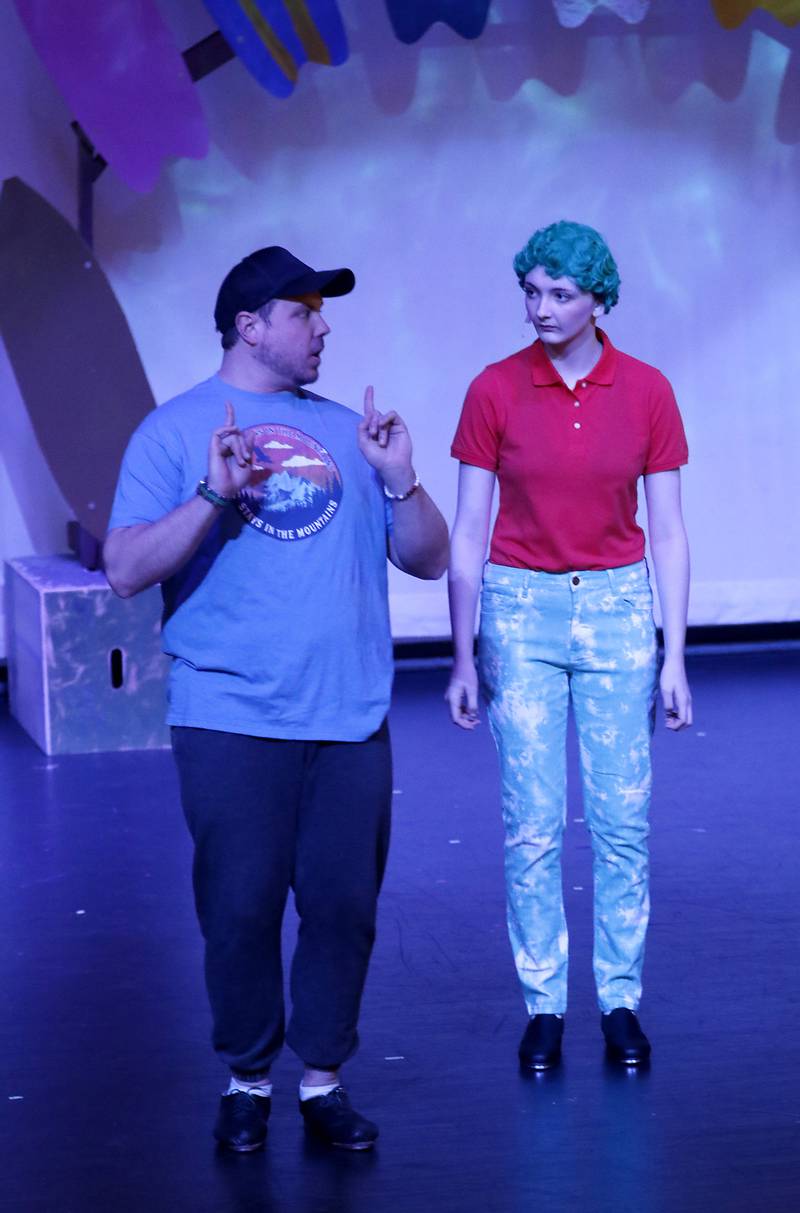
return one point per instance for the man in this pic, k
(270, 542)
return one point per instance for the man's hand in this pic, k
(230, 457)
(462, 696)
(139, 556)
(385, 443)
(675, 695)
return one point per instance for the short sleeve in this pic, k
(667, 448)
(477, 438)
(151, 478)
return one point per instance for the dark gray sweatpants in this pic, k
(267, 816)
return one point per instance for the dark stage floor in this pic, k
(109, 1087)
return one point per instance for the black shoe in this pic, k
(242, 1121)
(625, 1040)
(332, 1119)
(540, 1047)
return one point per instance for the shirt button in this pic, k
(577, 404)
(576, 425)
(576, 580)
(584, 384)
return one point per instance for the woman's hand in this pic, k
(462, 695)
(675, 694)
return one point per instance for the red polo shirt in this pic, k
(568, 461)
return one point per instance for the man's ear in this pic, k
(246, 326)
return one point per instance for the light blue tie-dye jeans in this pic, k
(546, 637)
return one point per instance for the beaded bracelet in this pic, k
(215, 498)
(402, 496)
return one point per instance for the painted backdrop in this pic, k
(425, 166)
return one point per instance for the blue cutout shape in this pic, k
(412, 18)
(274, 38)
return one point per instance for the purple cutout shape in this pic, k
(124, 80)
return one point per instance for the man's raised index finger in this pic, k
(369, 399)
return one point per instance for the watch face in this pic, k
(297, 491)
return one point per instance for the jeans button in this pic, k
(576, 580)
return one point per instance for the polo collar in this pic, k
(544, 373)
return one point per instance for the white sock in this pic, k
(313, 1092)
(262, 1086)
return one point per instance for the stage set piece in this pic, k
(85, 668)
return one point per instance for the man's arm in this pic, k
(418, 544)
(139, 556)
(136, 557)
(670, 551)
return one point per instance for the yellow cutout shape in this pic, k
(731, 13)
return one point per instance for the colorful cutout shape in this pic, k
(412, 18)
(731, 13)
(274, 38)
(123, 79)
(572, 13)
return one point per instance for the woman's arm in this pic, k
(467, 554)
(670, 552)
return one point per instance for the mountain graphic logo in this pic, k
(296, 491)
(286, 492)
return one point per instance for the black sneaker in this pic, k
(242, 1121)
(332, 1119)
(625, 1040)
(540, 1047)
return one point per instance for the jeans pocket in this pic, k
(636, 593)
(498, 594)
(634, 610)
(638, 599)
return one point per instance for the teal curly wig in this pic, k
(573, 250)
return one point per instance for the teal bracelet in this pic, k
(215, 498)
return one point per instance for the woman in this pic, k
(567, 426)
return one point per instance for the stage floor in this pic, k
(109, 1086)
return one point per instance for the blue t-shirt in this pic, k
(279, 624)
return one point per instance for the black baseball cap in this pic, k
(273, 273)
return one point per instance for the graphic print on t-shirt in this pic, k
(298, 487)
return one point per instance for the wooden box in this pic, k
(85, 668)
